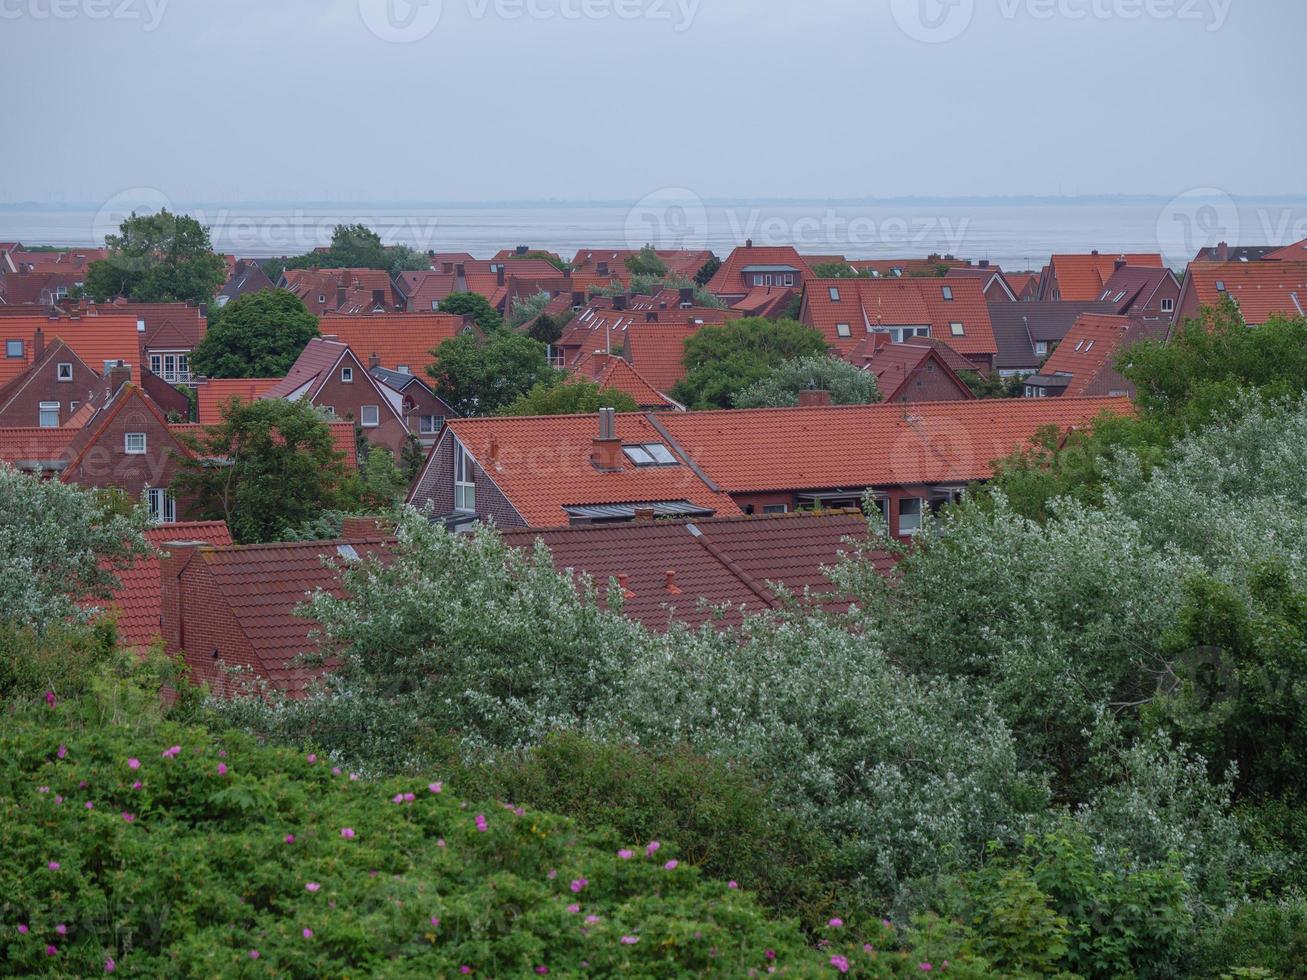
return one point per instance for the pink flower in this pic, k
(574, 908)
(836, 923)
(464, 969)
(133, 763)
(409, 797)
(43, 789)
(50, 699)
(254, 954)
(435, 922)
(22, 928)
(770, 954)
(542, 969)
(440, 842)
(840, 963)
(435, 787)
(335, 770)
(52, 951)
(137, 784)
(312, 758)
(578, 884)
(347, 833)
(732, 884)
(397, 798)
(61, 929)
(222, 768)
(671, 865)
(481, 822)
(652, 848)
(110, 965)
(353, 777)
(62, 753)
(290, 838)
(222, 753)
(624, 854)
(58, 799)
(925, 967)
(591, 919)
(307, 933)
(89, 805)
(630, 940)
(312, 886)
(129, 817)
(53, 865)
(553, 873)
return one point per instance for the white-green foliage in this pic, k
(847, 384)
(59, 545)
(526, 309)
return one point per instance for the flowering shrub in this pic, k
(213, 856)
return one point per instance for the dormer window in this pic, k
(1168, 305)
(948, 293)
(347, 375)
(834, 294)
(64, 371)
(650, 454)
(403, 369)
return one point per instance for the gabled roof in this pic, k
(612, 373)
(1297, 252)
(1080, 278)
(1131, 287)
(95, 339)
(1261, 289)
(1088, 352)
(730, 280)
(668, 567)
(857, 446)
(894, 364)
(56, 351)
(657, 351)
(137, 597)
(685, 263)
(543, 465)
(1019, 326)
(218, 392)
(868, 305)
(305, 375)
(168, 326)
(264, 585)
(406, 339)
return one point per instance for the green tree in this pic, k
(726, 359)
(478, 376)
(837, 270)
(279, 470)
(59, 545)
(709, 269)
(158, 258)
(527, 309)
(847, 384)
(546, 329)
(646, 263)
(474, 305)
(569, 398)
(258, 335)
(994, 385)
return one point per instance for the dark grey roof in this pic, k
(672, 508)
(1019, 326)
(399, 380)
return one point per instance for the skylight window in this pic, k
(1079, 344)
(650, 454)
(347, 551)
(948, 293)
(1220, 285)
(834, 294)
(958, 329)
(843, 330)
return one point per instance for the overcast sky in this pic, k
(366, 100)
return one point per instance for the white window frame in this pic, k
(775, 509)
(957, 329)
(363, 416)
(1168, 305)
(127, 443)
(162, 506)
(834, 294)
(909, 530)
(1041, 347)
(48, 407)
(403, 369)
(63, 371)
(465, 487)
(948, 293)
(430, 425)
(843, 330)
(9, 347)
(347, 375)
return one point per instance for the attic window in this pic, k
(347, 551)
(1220, 285)
(1089, 346)
(843, 330)
(403, 369)
(1168, 305)
(48, 417)
(347, 375)
(134, 443)
(834, 294)
(948, 293)
(1079, 344)
(958, 329)
(369, 416)
(13, 348)
(64, 371)
(650, 454)
(1119, 296)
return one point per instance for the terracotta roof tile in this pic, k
(1262, 289)
(1080, 278)
(216, 393)
(867, 305)
(397, 338)
(1089, 350)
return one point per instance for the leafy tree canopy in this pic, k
(847, 384)
(705, 274)
(479, 377)
(569, 398)
(726, 359)
(474, 305)
(354, 247)
(258, 335)
(646, 263)
(158, 258)
(527, 309)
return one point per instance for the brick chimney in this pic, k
(748, 243)
(602, 270)
(1094, 252)
(500, 274)
(374, 361)
(644, 515)
(379, 298)
(671, 585)
(177, 555)
(687, 295)
(1223, 252)
(606, 451)
(599, 362)
(340, 297)
(814, 398)
(118, 375)
(1119, 264)
(38, 343)
(619, 302)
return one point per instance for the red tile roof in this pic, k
(216, 393)
(19, 445)
(1080, 278)
(657, 351)
(685, 263)
(168, 326)
(1089, 350)
(1290, 253)
(1262, 289)
(263, 585)
(95, 339)
(612, 373)
(857, 446)
(137, 597)
(405, 339)
(543, 465)
(868, 305)
(893, 364)
(729, 561)
(730, 279)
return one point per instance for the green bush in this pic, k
(61, 663)
(158, 849)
